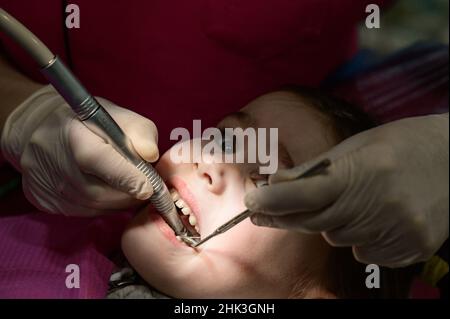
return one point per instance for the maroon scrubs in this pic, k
(175, 61)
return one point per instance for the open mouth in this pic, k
(186, 213)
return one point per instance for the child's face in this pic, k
(246, 261)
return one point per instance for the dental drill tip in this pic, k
(173, 220)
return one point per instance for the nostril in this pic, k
(208, 178)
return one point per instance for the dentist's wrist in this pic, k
(23, 121)
(14, 89)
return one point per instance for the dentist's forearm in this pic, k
(14, 89)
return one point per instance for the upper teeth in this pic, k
(185, 209)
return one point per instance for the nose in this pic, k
(212, 174)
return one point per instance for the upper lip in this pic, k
(186, 195)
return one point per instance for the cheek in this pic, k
(138, 243)
(253, 253)
(165, 165)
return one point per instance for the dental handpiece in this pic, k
(92, 114)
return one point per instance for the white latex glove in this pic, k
(386, 193)
(68, 169)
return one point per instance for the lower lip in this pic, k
(165, 228)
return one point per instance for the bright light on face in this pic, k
(247, 261)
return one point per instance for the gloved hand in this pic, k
(68, 169)
(385, 194)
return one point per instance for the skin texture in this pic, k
(247, 261)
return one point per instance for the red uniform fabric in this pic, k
(175, 61)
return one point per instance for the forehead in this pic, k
(304, 131)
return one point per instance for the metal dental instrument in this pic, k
(93, 115)
(313, 170)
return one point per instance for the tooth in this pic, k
(197, 229)
(174, 194)
(180, 203)
(178, 238)
(186, 210)
(192, 220)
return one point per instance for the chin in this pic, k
(153, 250)
(179, 271)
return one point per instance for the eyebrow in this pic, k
(245, 120)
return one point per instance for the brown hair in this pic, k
(343, 275)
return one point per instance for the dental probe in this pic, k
(313, 170)
(93, 115)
